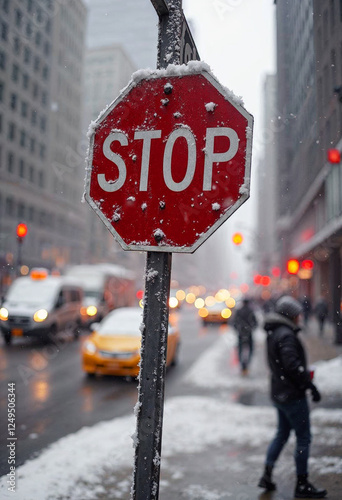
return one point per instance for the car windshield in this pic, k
(125, 321)
(31, 292)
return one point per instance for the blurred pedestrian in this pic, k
(289, 381)
(321, 312)
(307, 308)
(244, 323)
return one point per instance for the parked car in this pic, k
(40, 305)
(114, 346)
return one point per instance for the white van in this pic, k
(41, 305)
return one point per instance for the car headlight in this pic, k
(91, 310)
(3, 314)
(40, 315)
(89, 347)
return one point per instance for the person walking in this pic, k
(289, 381)
(244, 323)
(321, 312)
(307, 308)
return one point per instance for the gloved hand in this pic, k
(316, 397)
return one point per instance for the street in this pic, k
(213, 416)
(55, 398)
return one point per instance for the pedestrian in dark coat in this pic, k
(290, 380)
(307, 308)
(321, 312)
(244, 323)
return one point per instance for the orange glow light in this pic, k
(237, 238)
(292, 266)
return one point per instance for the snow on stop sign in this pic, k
(169, 159)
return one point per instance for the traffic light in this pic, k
(307, 264)
(237, 238)
(334, 156)
(21, 231)
(292, 266)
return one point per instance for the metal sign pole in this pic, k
(150, 404)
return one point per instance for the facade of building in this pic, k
(133, 24)
(41, 58)
(309, 65)
(266, 240)
(107, 71)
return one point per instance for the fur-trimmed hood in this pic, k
(273, 320)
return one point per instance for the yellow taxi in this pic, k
(113, 348)
(215, 313)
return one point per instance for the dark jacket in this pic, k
(245, 321)
(286, 358)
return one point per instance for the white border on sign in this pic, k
(192, 68)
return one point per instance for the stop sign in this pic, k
(169, 160)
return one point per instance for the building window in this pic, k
(35, 90)
(38, 38)
(27, 55)
(15, 72)
(2, 86)
(18, 18)
(34, 117)
(31, 174)
(32, 144)
(10, 162)
(41, 179)
(43, 123)
(26, 80)
(23, 138)
(28, 30)
(44, 98)
(5, 6)
(21, 211)
(9, 206)
(2, 60)
(45, 72)
(42, 151)
(24, 108)
(36, 64)
(11, 131)
(21, 168)
(13, 102)
(17, 45)
(4, 31)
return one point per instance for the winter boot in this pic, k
(304, 489)
(266, 480)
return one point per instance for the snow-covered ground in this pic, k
(191, 424)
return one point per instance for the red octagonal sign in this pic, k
(169, 160)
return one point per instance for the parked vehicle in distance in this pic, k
(105, 286)
(40, 305)
(114, 346)
(215, 313)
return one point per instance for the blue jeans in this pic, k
(293, 415)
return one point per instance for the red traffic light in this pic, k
(21, 230)
(292, 266)
(307, 264)
(237, 238)
(334, 156)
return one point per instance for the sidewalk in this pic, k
(229, 470)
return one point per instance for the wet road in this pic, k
(54, 397)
